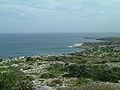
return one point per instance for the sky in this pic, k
(43, 16)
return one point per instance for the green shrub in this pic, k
(11, 78)
(29, 59)
(111, 75)
(1, 60)
(81, 81)
(24, 85)
(48, 75)
(96, 72)
(56, 69)
(83, 70)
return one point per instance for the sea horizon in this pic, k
(30, 44)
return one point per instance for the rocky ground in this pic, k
(96, 68)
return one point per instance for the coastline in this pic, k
(76, 45)
(32, 44)
(58, 72)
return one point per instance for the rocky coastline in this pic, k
(97, 66)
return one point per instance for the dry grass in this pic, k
(94, 86)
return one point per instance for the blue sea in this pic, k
(12, 45)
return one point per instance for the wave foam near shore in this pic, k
(76, 45)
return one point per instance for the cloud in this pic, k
(59, 14)
(69, 7)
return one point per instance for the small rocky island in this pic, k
(95, 68)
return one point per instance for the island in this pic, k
(95, 68)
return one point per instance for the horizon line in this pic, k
(54, 32)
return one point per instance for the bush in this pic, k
(48, 75)
(24, 85)
(29, 59)
(12, 78)
(1, 60)
(111, 75)
(83, 70)
(81, 81)
(96, 72)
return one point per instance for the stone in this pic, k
(45, 88)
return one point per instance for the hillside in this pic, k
(96, 68)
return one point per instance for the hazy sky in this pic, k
(22, 16)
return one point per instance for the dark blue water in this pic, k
(33, 44)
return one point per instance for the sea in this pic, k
(30, 44)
